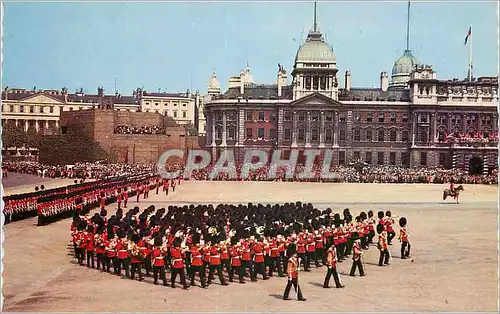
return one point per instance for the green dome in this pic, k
(405, 64)
(315, 49)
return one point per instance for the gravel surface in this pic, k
(453, 267)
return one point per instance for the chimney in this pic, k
(280, 76)
(6, 93)
(384, 81)
(347, 80)
(65, 94)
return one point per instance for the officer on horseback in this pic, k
(452, 187)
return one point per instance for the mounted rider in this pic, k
(452, 187)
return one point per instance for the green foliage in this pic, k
(192, 129)
(13, 136)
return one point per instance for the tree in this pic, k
(13, 136)
(192, 129)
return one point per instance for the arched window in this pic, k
(381, 135)
(393, 135)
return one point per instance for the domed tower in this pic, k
(213, 85)
(315, 69)
(404, 66)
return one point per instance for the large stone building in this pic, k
(413, 119)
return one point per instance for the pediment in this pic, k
(316, 100)
(42, 98)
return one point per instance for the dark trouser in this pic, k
(157, 189)
(80, 254)
(181, 272)
(305, 260)
(371, 235)
(125, 263)
(284, 261)
(384, 257)
(75, 249)
(241, 273)
(109, 261)
(332, 271)
(119, 204)
(340, 251)
(90, 259)
(147, 265)
(201, 272)
(320, 255)
(225, 264)
(295, 283)
(311, 257)
(159, 270)
(166, 190)
(173, 188)
(259, 268)
(136, 267)
(359, 265)
(213, 269)
(405, 249)
(274, 264)
(125, 203)
(100, 260)
(138, 194)
(390, 236)
(249, 265)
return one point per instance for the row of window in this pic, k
(329, 116)
(147, 103)
(356, 136)
(368, 157)
(32, 109)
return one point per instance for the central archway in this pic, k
(476, 166)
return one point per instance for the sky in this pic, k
(176, 46)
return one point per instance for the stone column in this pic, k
(308, 129)
(214, 121)
(26, 125)
(46, 124)
(17, 122)
(434, 128)
(294, 129)
(57, 125)
(224, 128)
(37, 126)
(494, 119)
(479, 122)
(241, 127)
(336, 129)
(448, 123)
(414, 129)
(280, 126)
(322, 130)
(464, 123)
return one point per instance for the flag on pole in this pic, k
(468, 35)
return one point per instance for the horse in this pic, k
(455, 194)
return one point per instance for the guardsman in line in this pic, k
(259, 265)
(173, 185)
(382, 245)
(236, 262)
(293, 273)
(371, 227)
(138, 191)
(178, 267)
(119, 197)
(274, 259)
(146, 189)
(246, 258)
(311, 252)
(123, 255)
(111, 253)
(136, 257)
(165, 185)
(102, 200)
(197, 264)
(90, 248)
(215, 266)
(100, 248)
(157, 259)
(403, 237)
(331, 263)
(81, 242)
(125, 197)
(357, 261)
(301, 251)
(388, 224)
(225, 257)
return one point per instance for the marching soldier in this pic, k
(403, 238)
(293, 273)
(178, 267)
(90, 248)
(236, 263)
(382, 245)
(274, 259)
(356, 258)
(100, 248)
(157, 258)
(258, 260)
(331, 263)
(122, 255)
(246, 258)
(311, 252)
(388, 224)
(197, 265)
(165, 186)
(215, 266)
(301, 251)
(136, 257)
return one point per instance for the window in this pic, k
(405, 159)
(329, 116)
(404, 117)
(184, 114)
(248, 133)
(328, 135)
(175, 104)
(51, 109)
(381, 117)
(273, 116)
(288, 116)
(156, 104)
(357, 116)
(369, 135)
(273, 134)
(231, 132)
(32, 109)
(341, 157)
(175, 113)
(302, 134)
(262, 116)
(404, 136)
(260, 133)
(357, 155)
(393, 135)
(442, 159)
(369, 117)
(357, 135)
(302, 115)
(392, 117)
(70, 108)
(368, 157)
(423, 159)
(315, 116)
(248, 116)
(392, 158)
(381, 135)
(380, 158)
(288, 135)
(184, 105)
(342, 117)
(11, 108)
(314, 135)
(342, 135)
(80, 108)
(42, 109)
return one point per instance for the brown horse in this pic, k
(454, 194)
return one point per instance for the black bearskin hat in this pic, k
(177, 242)
(362, 215)
(388, 213)
(158, 241)
(370, 213)
(402, 222)
(291, 250)
(380, 214)
(380, 228)
(195, 239)
(135, 238)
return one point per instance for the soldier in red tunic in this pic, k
(100, 247)
(215, 266)
(102, 201)
(178, 267)
(197, 264)
(125, 197)
(274, 259)
(146, 189)
(173, 185)
(403, 237)
(311, 250)
(293, 274)
(246, 258)
(388, 224)
(119, 198)
(258, 259)
(165, 186)
(224, 257)
(356, 258)
(90, 248)
(123, 255)
(235, 253)
(136, 258)
(331, 263)
(138, 191)
(81, 242)
(301, 251)
(157, 259)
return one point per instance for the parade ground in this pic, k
(453, 264)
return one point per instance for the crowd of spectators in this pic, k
(471, 139)
(144, 129)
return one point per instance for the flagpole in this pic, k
(470, 56)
